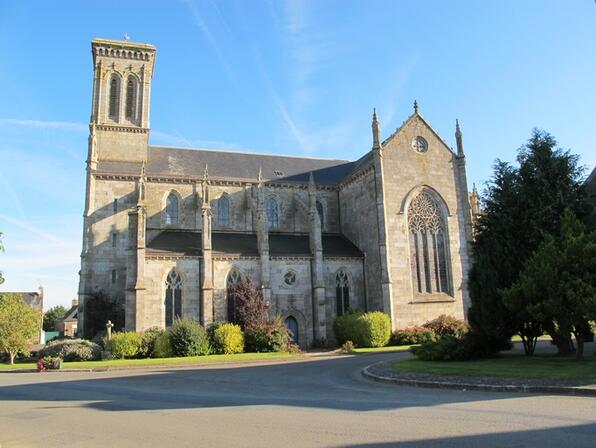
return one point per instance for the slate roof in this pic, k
(33, 299)
(245, 244)
(71, 314)
(181, 162)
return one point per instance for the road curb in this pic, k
(559, 390)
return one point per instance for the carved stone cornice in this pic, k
(118, 128)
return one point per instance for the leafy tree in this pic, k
(521, 205)
(51, 316)
(558, 284)
(250, 308)
(98, 309)
(1, 250)
(18, 324)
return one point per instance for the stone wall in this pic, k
(406, 172)
(359, 223)
(355, 271)
(152, 302)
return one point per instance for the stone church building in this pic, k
(168, 230)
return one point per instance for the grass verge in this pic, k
(241, 357)
(545, 367)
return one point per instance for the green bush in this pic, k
(163, 346)
(125, 344)
(271, 336)
(412, 336)
(445, 325)
(376, 327)
(372, 329)
(348, 327)
(148, 338)
(228, 339)
(452, 348)
(71, 350)
(189, 338)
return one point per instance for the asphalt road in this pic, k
(323, 402)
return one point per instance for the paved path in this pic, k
(321, 402)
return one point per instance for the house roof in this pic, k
(71, 314)
(33, 299)
(186, 162)
(245, 244)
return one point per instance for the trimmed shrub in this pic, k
(445, 325)
(71, 350)
(376, 327)
(372, 329)
(452, 348)
(148, 338)
(271, 336)
(163, 346)
(189, 338)
(348, 327)
(228, 339)
(125, 345)
(412, 336)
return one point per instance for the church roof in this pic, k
(187, 162)
(188, 243)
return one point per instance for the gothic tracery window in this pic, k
(272, 214)
(428, 245)
(234, 277)
(172, 209)
(223, 211)
(114, 104)
(342, 292)
(131, 98)
(173, 299)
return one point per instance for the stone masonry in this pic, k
(317, 236)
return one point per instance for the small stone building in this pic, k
(170, 229)
(67, 324)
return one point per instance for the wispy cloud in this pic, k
(201, 24)
(25, 225)
(177, 139)
(60, 125)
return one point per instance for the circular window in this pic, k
(419, 144)
(290, 278)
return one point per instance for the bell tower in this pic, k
(119, 124)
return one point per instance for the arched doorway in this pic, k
(292, 325)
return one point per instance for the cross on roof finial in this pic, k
(415, 106)
(126, 37)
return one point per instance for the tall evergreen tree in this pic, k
(521, 205)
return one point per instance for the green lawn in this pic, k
(507, 366)
(389, 348)
(162, 361)
(517, 338)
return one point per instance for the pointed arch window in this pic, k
(321, 214)
(234, 278)
(172, 209)
(342, 292)
(223, 211)
(428, 246)
(272, 213)
(114, 103)
(173, 299)
(131, 98)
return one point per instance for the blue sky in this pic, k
(279, 77)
